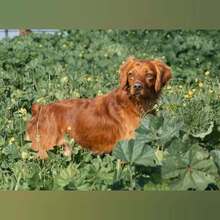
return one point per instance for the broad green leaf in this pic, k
(205, 133)
(193, 180)
(172, 166)
(184, 182)
(216, 155)
(178, 146)
(135, 152)
(194, 169)
(158, 129)
(170, 129)
(207, 166)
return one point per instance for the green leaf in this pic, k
(172, 166)
(66, 175)
(178, 146)
(2, 141)
(216, 156)
(193, 180)
(135, 152)
(204, 134)
(201, 124)
(194, 169)
(156, 187)
(11, 150)
(158, 129)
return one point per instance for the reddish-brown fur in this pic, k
(99, 123)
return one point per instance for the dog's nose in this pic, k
(138, 85)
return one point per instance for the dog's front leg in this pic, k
(66, 150)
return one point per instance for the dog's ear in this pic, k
(163, 74)
(123, 71)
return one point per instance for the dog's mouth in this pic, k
(139, 93)
(136, 92)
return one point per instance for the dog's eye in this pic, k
(150, 76)
(130, 75)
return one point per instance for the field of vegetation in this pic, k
(178, 149)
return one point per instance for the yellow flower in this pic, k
(169, 87)
(89, 78)
(64, 79)
(100, 92)
(207, 73)
(211, 91)
(24, 155)
(76, 94)
(22, 111)
(180, 86)
(200, 84)
(11, 140)
(189, 94)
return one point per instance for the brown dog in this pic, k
(99, 123)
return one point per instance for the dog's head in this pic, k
(143, 77)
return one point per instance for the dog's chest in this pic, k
(130, 124)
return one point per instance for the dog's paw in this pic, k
(67, 151)
(42, 154)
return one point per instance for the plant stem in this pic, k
(118, 169)
(18, 182)
(131, 177)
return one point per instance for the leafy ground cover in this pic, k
(178, 149)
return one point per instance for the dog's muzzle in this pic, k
(138, 86)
